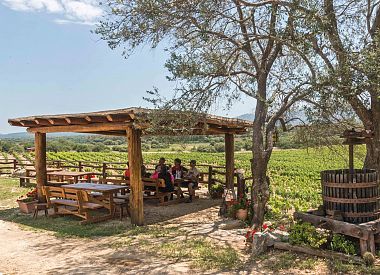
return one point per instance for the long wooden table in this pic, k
(61, 175)
(106, 200)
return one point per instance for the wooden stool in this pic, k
(119, 203)
(38, 207)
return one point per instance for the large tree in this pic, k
(220, 50)
(343, 39)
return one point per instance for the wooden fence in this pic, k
(209, 174)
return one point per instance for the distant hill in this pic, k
(247, 116)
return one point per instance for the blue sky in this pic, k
(50, 63)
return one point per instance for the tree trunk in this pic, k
(260, 190)
(372, 160)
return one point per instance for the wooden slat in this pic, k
(76, 120)
(96, 127)
(96, 119)
(119, 117)
(58, 121)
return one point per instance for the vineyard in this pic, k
(294, 174)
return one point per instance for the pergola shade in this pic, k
(132, 122)
(115, 122)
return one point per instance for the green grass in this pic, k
(10, 191)
(175, 244)
(62, 226)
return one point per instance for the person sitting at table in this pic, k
(191, 179)
(162, 172)
(178, 171)
(127, 172)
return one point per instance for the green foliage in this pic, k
(306, 234)
(341, 244)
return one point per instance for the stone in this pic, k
(231, 224)
(259, 243)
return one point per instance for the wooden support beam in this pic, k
(95, 127)
(135, 163)
(42, 122)
(40, 163)
(319, 252)
(119, 117)
(28, 123)
(58, 121)
(97, 119)
(76, 120)
(230, 160)
(336, 226)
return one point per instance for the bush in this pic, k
(219, 147)
(306, 234)
(341, 244)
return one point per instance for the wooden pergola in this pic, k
(133, 123)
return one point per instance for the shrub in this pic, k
(307, 234)
(341, 244)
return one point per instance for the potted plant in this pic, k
(217, 191)
(27, 202)
(242, 208)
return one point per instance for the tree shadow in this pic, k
(68, 226)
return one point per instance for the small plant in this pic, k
(216, 191)
(306, 234)
(28, 197)
(341, 244)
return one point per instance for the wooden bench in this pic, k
(25, 181)
(66, 201)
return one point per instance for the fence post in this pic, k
(240, 184)
(14, 164)
(104, 170)
(210, 181)
(80, 166)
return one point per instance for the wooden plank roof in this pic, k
(116, 122)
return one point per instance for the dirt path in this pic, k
(26, 252)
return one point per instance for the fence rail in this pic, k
(209, 174)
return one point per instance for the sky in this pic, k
(51, 63)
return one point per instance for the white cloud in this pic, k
(71, 11)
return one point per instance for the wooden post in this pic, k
(230, 161)
(209, 180)
(40, 163)
(135, 163)
(80, 166)
(14, 164)
(351, 159)
(104, 170)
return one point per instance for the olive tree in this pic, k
(343, 38)
(220, 50)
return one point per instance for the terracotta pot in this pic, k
(242, 214)
(26, 207)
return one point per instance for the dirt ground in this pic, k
(27, 251)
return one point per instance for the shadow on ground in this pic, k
(69, 225)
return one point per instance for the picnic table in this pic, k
(62, 175)
(106, 200)
(24, 180)
(31, 169)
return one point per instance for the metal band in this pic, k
(350, 185)
(350, 201)
(353, 214)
